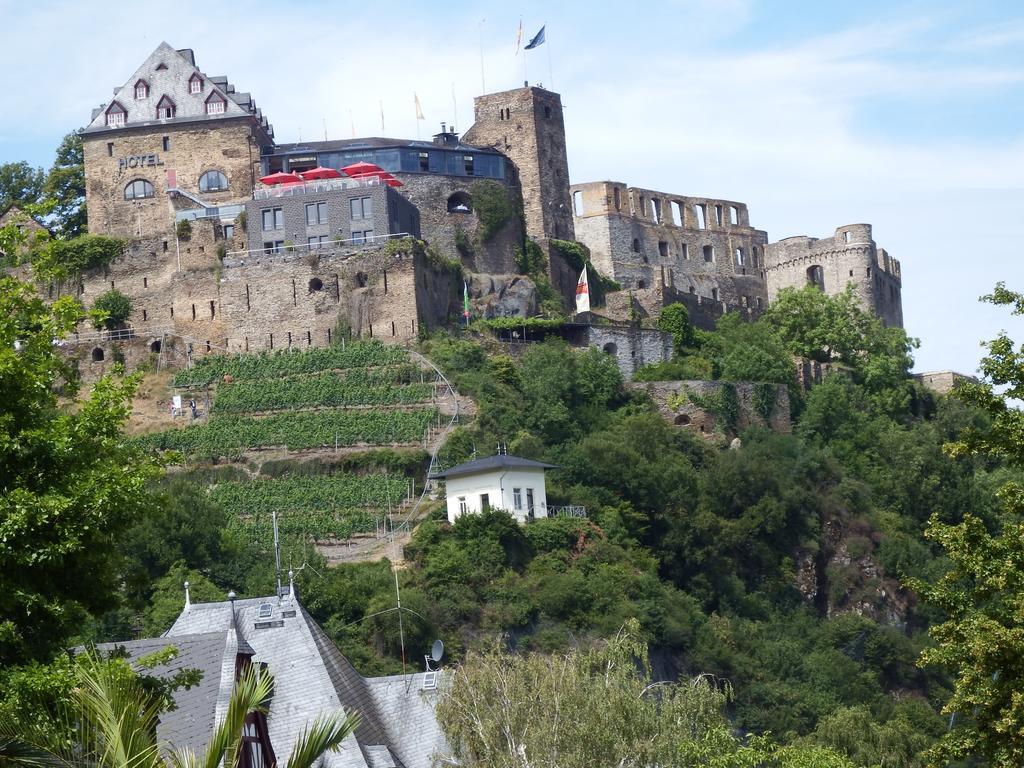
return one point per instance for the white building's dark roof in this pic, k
(397, 729)
(490, 464)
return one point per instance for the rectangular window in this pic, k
(709, 253)
(110, 149)
(467, 162)
(273, 246)
(424, 162)
(316, 213)
(215, 107)
(517, 499)
(684, 250)
(318, 242)
(361, 207)
(273, 218)
(463, 507)
(663, 249)
(166, 143)
(115, 118)
(360, 238)
(229, 231)
(529, 502)
(734, 215)
(718, 215)
(485, 502)
(195, 85)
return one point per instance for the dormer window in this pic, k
(161, 66)
(116, 115)
(215, 105)
(195, 84)
(165, 108)
(141, 89)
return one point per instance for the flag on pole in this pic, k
(536, 40)
(519, 37)
(419, 109)
(583, 292)
(465, 301)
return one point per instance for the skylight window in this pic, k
(266, 610)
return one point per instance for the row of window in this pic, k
(317, 242)
(117, 115)
(211, 181)
(708, 252)
(316, 213)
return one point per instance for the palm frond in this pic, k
(251, 690)
(18, 753)
(325, 733)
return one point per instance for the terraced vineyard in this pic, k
(312, 400)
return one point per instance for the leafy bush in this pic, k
(81, 254)
(116, 308)
(494, 207)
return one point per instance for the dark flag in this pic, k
(536, 40)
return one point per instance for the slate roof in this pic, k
(491, 463)
(397, 729)
(373, 142)
(167, 73)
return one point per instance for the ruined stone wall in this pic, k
(115, 158)
(849, 257)
(679, 403)
(647, 304)
(527, 126)
(439, 225)
(631, 345)
(643, 239)
(943, 382)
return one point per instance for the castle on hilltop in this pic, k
(218, 260)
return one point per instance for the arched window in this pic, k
(460, 202)
(138, 189)
(116, 115)
(816, 277)
(641, 284)
(97, 355)
(682, 420)
(213, 181)
(141, 89)
(610, 348)
(316, 284)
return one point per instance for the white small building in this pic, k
(503, 482)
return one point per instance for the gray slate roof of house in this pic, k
(397, 727)
(491, 463)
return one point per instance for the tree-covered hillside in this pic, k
(778, 567)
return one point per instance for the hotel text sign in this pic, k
(138, 161)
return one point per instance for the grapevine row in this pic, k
(325, 390)
(270, 365)
(316, 493)
(229, 436)
(316, 525)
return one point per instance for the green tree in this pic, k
(70, 482)
(65, 187)
(596, 707)
(981, 640)
(20, 184)
(115, 306)
(675, 320)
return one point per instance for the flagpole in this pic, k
(480, 30)
(551, 74)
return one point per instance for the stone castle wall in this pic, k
(677, 402)
(849, 257)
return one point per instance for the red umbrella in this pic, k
(362, 168)
(281, 178)
(320, 173)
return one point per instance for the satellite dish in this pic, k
(437, 651)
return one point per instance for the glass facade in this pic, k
(423, 159)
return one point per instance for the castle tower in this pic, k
(832, 263)
(526, 125)
(170, 139)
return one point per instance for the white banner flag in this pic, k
(583, 292)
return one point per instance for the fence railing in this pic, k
(285, 250)
(567, 510)
(313, 187)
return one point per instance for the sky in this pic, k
(905, 115)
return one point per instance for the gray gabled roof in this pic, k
(397, 727)
(490, 464)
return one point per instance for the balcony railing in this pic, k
(285, 250)
(547, 510)
(313, 187)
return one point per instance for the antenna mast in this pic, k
(277, 552)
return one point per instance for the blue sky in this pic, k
(816, 114)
